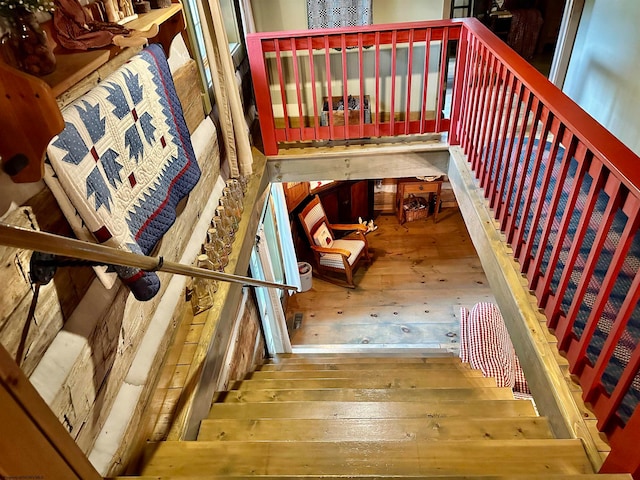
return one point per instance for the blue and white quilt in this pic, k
(125, 160)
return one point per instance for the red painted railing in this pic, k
(564, 190)
(566, 194)
(388, 69)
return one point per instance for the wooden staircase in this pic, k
(357, 416)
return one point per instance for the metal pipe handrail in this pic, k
(18, 237)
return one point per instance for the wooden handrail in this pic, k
(18, 237)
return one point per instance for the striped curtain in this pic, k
(339, 13)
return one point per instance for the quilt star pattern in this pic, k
(125, 160)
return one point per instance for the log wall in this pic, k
(83, 338)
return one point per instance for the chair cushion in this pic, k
(322, 236)
(314, 216)
(334, 260)
(464, 334)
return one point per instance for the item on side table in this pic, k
(415, 208)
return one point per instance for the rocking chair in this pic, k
(340, 256)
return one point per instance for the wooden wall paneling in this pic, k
(209, 160)
(207, 363)
(83, 400)
(56, 301)
(361, 201)
(187, 82)
(353, 163)
(295, 193)
(33, 443)
(133, 442)
(248, 343)
(344, 202)
(331, 204)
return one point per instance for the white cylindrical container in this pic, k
(305, 271)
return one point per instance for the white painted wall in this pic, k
(276, 15)
(603, 71)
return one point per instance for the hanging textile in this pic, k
(125, 160)
(339, 13)
(235, 133)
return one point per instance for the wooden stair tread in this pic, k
(366, 394)
(373, 409)
(444, 380)
(387, 429)
(540, 476)
(422, 370)
(357, 458)
(369, 417)
(311, 358)
(281, 367)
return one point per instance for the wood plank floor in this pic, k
(410, 296)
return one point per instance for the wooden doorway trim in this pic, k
(566, 39)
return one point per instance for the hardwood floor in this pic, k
(409, 297)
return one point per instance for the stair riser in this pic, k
(424, 370)
(314, 359)
(366, 395)
(364, 410)
(380, 364)
(431, 381)
(391, 430)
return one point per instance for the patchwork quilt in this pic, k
(124, 160)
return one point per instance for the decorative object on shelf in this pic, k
(142, 7)
(24, 43)
(216, 249)
(203, 289)
(77, 31)
(160, 3)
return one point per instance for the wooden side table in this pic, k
(418, 187)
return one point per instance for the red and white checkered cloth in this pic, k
(485, 344)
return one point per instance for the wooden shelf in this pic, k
(74, 66)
